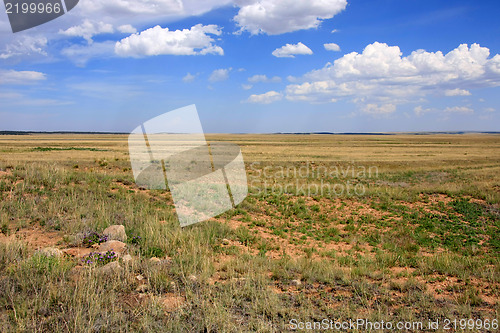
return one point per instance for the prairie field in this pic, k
(393, 228)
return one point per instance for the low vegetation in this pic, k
(405, 228)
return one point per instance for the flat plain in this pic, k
(393, 228)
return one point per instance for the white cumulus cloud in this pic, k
(127, 29)
(280, 16)
(189, 78)
(221, 74)
(381, 75)
(88, 29)
(457, 92)
(162, 41)
(331, 47)
(419, 110)
(81, 54)
(290, 50)
(379, 109)
(263, 78)
(24, 46)
(20, 77)
(124, 7)
(267, 98)
(459, 109)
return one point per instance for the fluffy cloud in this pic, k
(268, 97)
(81, 54)
(384, 77)
(25, 46)
(290, 50)
(459, 109)
(331, 47)
(457, 92)
(20, 77)
(276, 17)
(131, 7)
(88, 29)
(189, 78)
(219, 75)
(379, 109)
(264, 78)
(127, 29)
(419, 110)
(162, 41)
(122, 15)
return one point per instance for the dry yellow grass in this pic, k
(421, 243)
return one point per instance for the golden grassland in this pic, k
(419, 241)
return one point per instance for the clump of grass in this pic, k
(4, 229)
(100, 258)
(153, 251)
(66, 148)
(92, 238)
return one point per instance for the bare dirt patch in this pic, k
(35, 237)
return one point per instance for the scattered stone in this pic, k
(112, 267)
(155, 260)
(50, 252)
(127, 258)
(296, 283)
(139, 277)
(116, 232)
(113, 245)
(225, 241)
(43, 312)
(192, 278)
(142, 288)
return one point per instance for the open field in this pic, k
(381, 227)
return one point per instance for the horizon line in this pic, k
(8, 132)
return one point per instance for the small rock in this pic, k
(127, 258)
(155, 260)
(112, 267)
(50, 252)
(139, 277)
(172, 285)
(192, 278)
(225, 241)
(296, 283)
(43, 312)
(113, 245)
(142, 288)
(116, 232)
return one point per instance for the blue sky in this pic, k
(257, 66)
